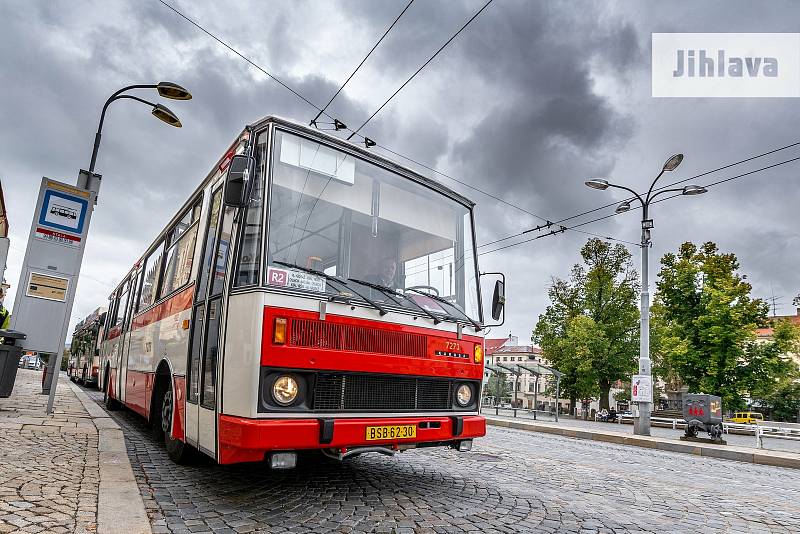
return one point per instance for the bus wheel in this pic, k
(111, 404)
(178, 451)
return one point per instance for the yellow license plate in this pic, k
(391, 432)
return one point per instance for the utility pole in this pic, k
(642, 384)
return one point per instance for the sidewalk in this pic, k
(727, 452)
(68, 472)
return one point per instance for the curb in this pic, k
(120, 508)
(739, 454)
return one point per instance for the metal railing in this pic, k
(523, 412)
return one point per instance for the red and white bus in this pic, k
(309, 295)
(84, 361)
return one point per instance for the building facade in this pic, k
(531, 391)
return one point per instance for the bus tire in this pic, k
(177, 450)
(111, 404)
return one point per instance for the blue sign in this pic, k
(63, 211)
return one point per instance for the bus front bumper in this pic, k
(249, 440)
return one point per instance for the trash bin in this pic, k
(704, 412)
(10, 354)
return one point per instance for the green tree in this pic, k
(589, 331)
(706, 321)
(498, 386)
(784, 401)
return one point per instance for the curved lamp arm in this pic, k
(113, 97)
(649, 198)
(665, 191)
(628, 189)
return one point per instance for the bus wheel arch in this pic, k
(162, 383)
(162, 415)
(110, 402)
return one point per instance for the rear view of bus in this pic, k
(333, 304)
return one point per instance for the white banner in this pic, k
(726, 64)
(642, 388)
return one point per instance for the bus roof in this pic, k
(313, 132)
(365, 153)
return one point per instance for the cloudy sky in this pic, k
(531, 100)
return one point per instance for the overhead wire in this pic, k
(323, 111)
(604, 206)
(357, 130)
(586, 223)
(430, 168)
(325, 107)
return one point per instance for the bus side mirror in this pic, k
(240, 171)
(498, 297)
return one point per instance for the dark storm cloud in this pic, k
(531, 100)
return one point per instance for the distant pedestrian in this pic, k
(5, 316)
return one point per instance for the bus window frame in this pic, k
(273, 128)
(198, 201)
(163, 240)
(240, 220)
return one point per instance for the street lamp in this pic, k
(90, 181)
(642, 423)
(165, 89)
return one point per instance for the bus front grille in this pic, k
(367, 393)
(335, 336)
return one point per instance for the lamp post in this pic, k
(91, 181)
(165, 89)
(642, 423)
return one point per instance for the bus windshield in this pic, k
(343, 216)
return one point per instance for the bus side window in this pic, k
(180, 253)
(250, 232)
(152, 277)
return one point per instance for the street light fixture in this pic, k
(164, 113)
(90, 181)
(166, 89)
(173, 91)
(642, 423)
(602, 185)
(694, 190)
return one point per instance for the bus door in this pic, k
(123, 340)
(116, 350)
(201, 398)
(125, 346)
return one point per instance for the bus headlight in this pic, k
(464, 395)
(285, 390)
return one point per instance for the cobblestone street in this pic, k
(513, 481)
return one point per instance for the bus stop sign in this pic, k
(46, 288)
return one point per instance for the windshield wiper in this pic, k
(391, 293)
(332, 278)
(437, 298)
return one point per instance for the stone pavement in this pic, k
(611, 434)
(512, 481)
(737, 440)
(55, 469)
